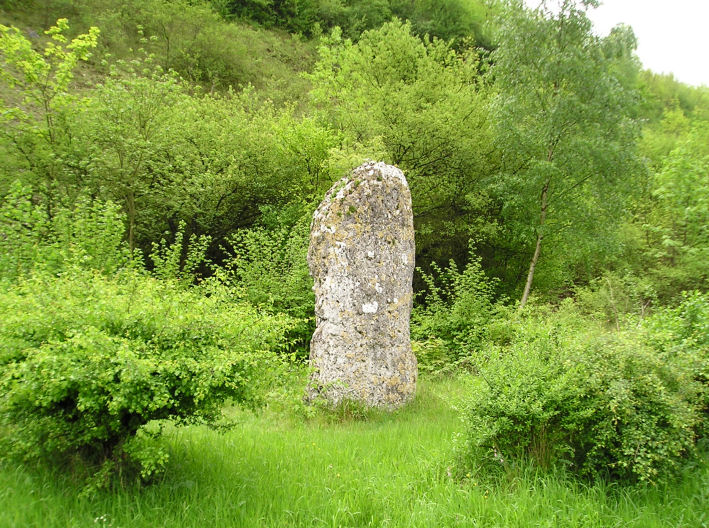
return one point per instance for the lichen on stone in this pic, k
(361, 256)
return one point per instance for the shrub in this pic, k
(88, 363)
(23, 231)
(681, 333)
(603, 405)
(89, 236)
(269, 268)
(617, 298)
(181, 259)
(451, 323)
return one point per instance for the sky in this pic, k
(673, 35)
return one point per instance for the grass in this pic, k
(276, 470)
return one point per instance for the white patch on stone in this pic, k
(341, 193)
(370, 307)
(370, 254)
(404, 259)
(378, 287)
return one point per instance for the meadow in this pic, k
(160, 163)
(350, 469)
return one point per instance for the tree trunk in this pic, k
(538, 248)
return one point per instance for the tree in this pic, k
(39, 102)
(564, 111)
(676, 228)
(127, 128)
(418, 104)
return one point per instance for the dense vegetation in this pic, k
(160, 161)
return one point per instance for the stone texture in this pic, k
(361, 257)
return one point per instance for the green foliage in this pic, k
(565, 113)
(144, 140)
(127, 130)
(181, 259)
(601, 405)
(212, 161)
(268, 267)
(541, 147)
(93, 350)
(44, 76)
(24, 228)
(663, 93)
(178, 147)
(399, 98)
(39, 101)
(661, 138)
(88, 236)
(89, 362)
(683, 332)
(617, 298)
(191, 39)
(450, 325)
(676, 230)
(445, 19)
(186, 36)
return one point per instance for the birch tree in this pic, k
(564, 114)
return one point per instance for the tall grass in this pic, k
(389, 470)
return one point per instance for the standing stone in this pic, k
(361, 257)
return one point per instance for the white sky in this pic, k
(673, 35)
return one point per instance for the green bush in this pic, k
(181, 259)
(450, 325)
(88, 236)
(617, 298)
(682, 333)
(268, 267)
(88, 363)
(567, 394)
(446, 19)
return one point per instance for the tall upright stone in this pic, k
(361, 257)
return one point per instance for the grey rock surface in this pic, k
(361, 257)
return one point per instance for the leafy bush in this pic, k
(682, 332)
(446, 19)
(23, 228)
(181, 259)
(617, 298)
(397, 98)
(88, 235)
(604, 405)
(676, 238)
(87, 363)
(452, 321)
(269, 268)
(36, 102)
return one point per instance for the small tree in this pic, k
(128, 133)
(40, 79)
(418, 104)
(565, 129)
(676, 228)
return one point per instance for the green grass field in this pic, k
(390, 470)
